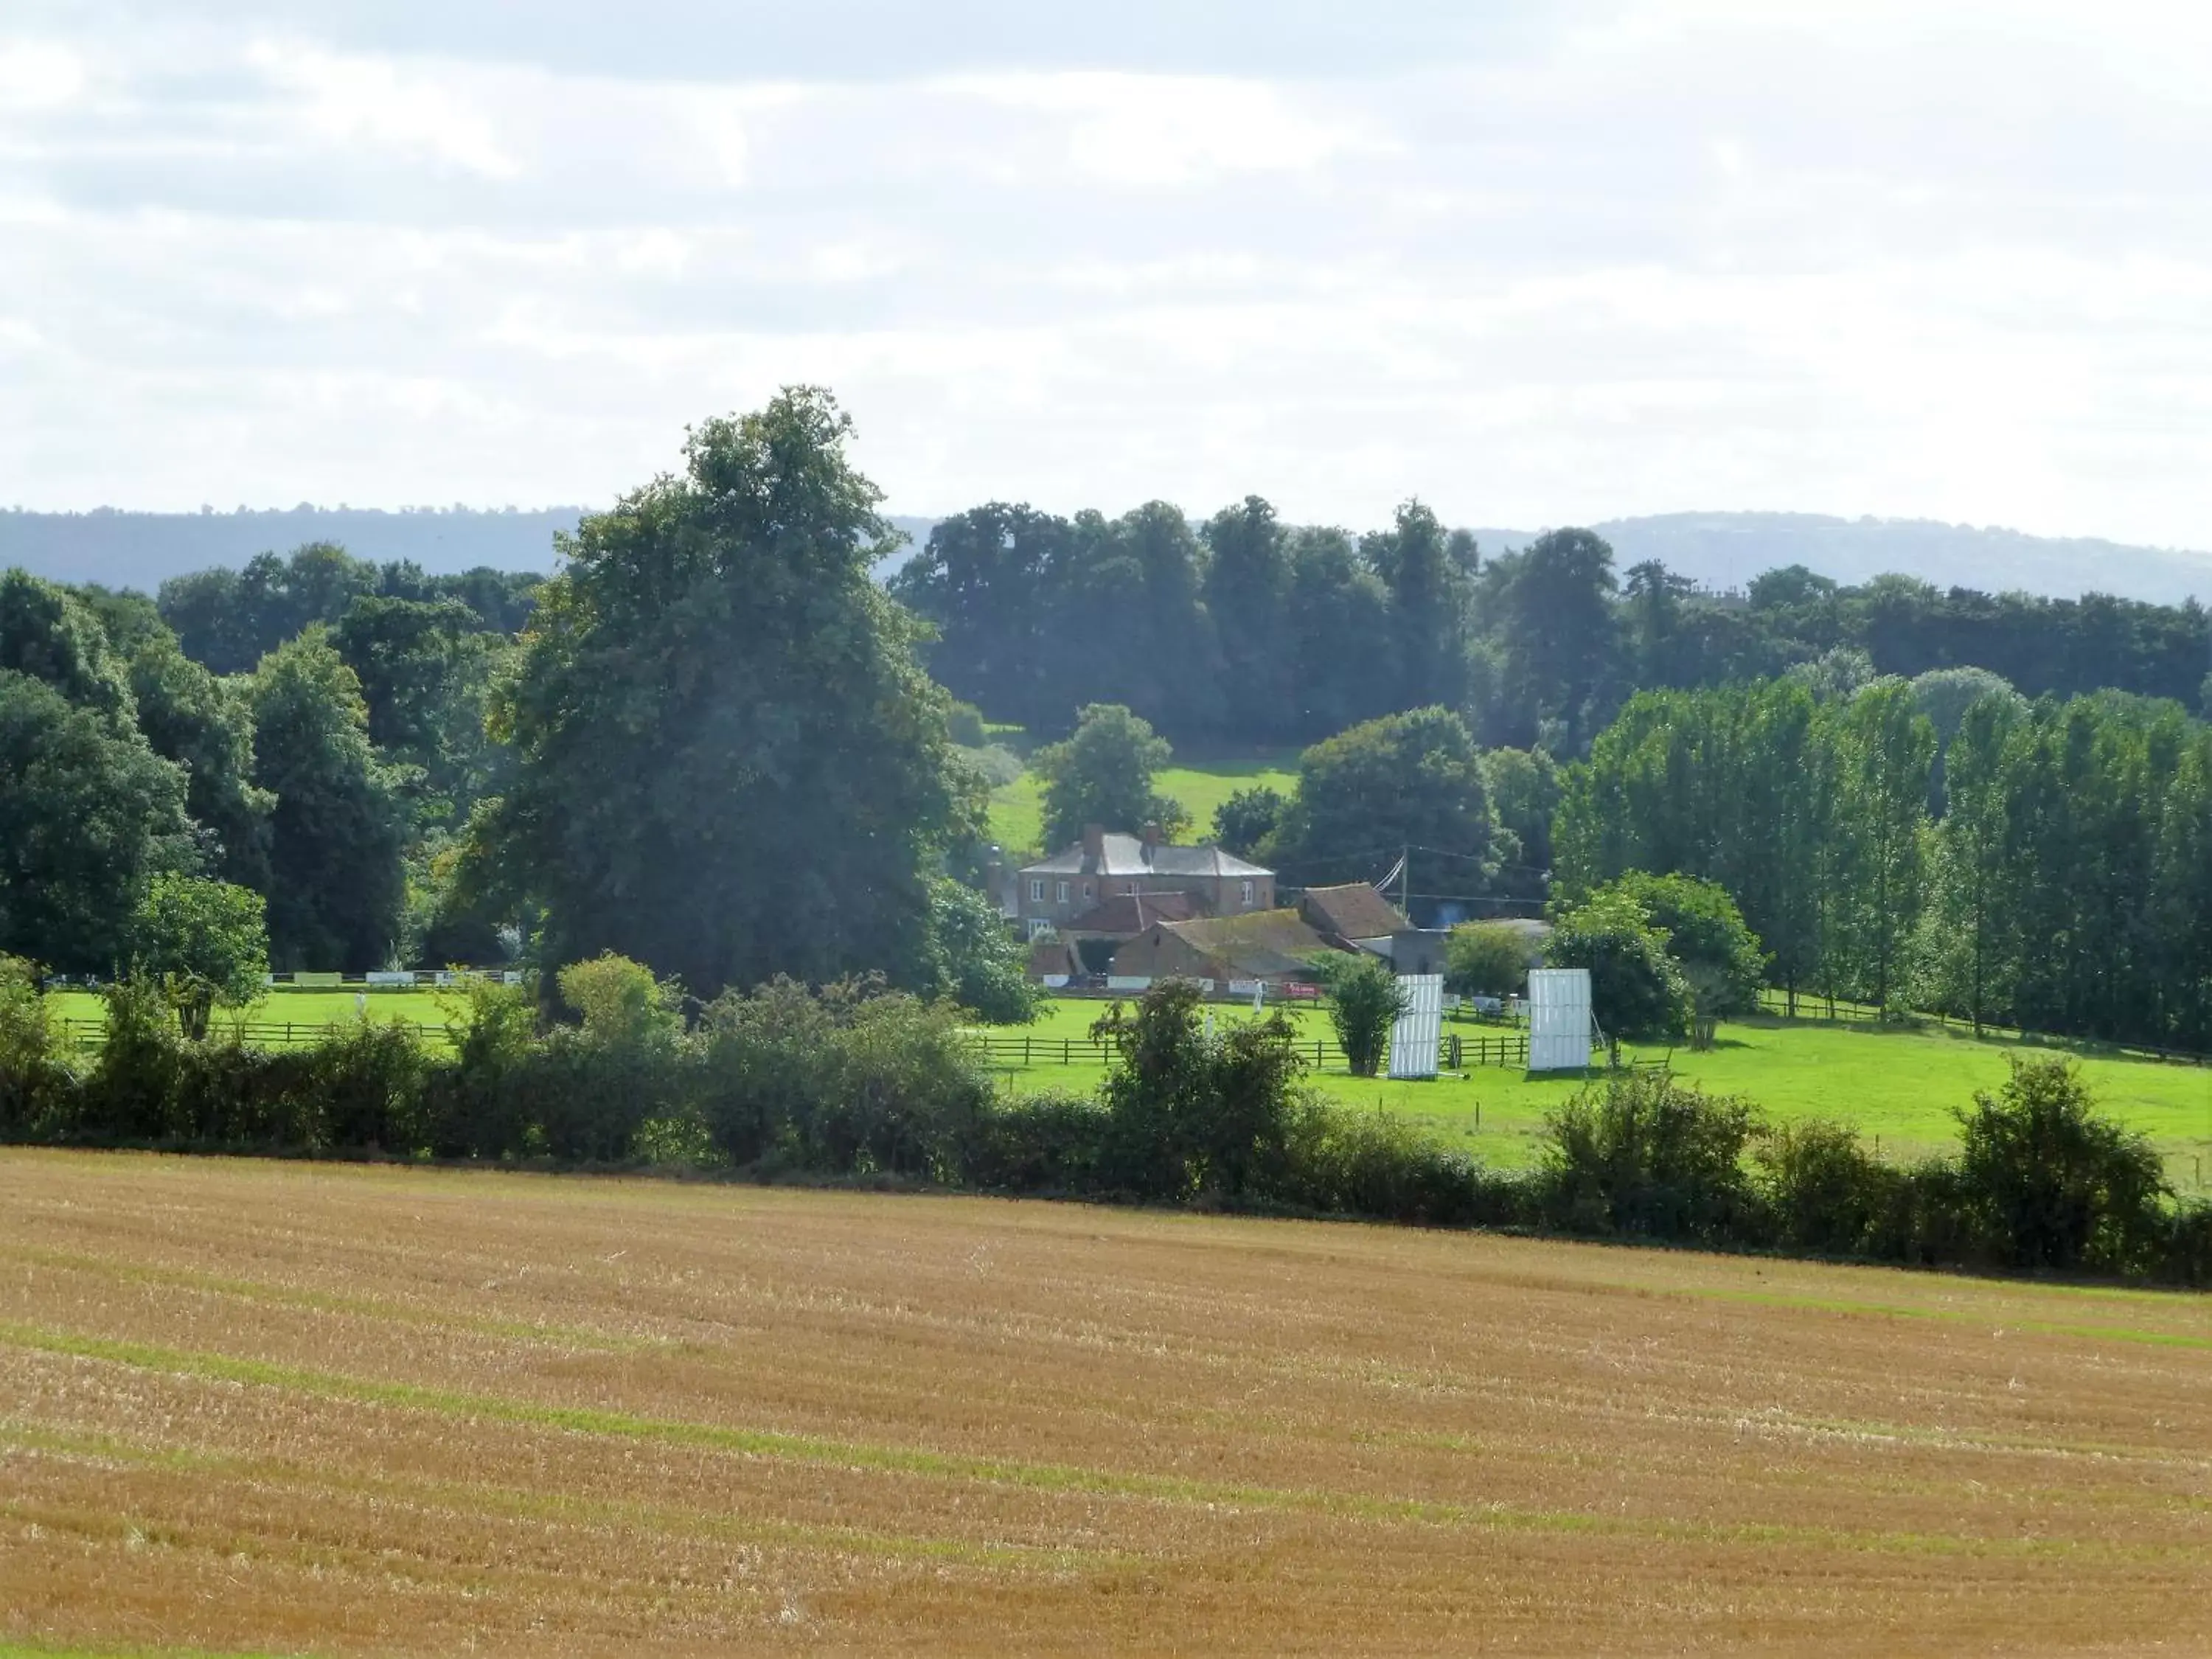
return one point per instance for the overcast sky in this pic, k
(1544, 265)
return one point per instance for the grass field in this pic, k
(275, 1408)
(1018, 808)
(1898, 1085)
(311, 1012)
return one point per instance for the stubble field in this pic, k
(284, 1408)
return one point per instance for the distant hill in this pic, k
(143, 549)
(1717, 550)
(1727, 549)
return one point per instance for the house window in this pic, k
(1246, 900)
(1087, 893)
(1036, 890)
(1039, 928)
(1063, 892)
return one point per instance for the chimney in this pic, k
(1151, 840)
(1094, 846)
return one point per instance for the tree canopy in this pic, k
(1412, 780)
(728, 763)
(337, 889)
(1103, 774)
(204, 943)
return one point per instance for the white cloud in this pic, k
(403, 108)
(1688, 255)
(1167, 130)
(38, 75)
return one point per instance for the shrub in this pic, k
(478, 1104)
(621, 1003)
(37, 1085)
(679, 1141)
(853, 1078)
(977, 961)
(368, 1081)
(2186, 1254)
(1039, 1144)
(1636, 988)
(1822, 1190)
(588, 1088)
(1380, 1166)
(2046, 1181)
(1489, 959)
(1365, 1001)
(1189, 1113)
(132, 1092)
(1720, 955)
(1652, 1155)
(964, 726)
(204, 943)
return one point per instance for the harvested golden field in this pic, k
(281, 1407)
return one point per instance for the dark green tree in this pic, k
(204, 943)
(1248, 594)
(89, 815)
(1720, 957)
(729, 765)
(1407, 780)
(1490, 959)
(1637, 989)
(1550, 607)
(980, 964)
(205, 726)
(1339, 623)
(1103, 774)
(1247, 819)
(1365, 1001)
(983, 579)
(426, 671)
(336, 888)
(1886, 751)
(1427, 574)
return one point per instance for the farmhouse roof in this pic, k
(1130, 855)
(1127, 914)
(1353, 911)
(1260, 944)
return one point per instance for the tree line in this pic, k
(1941, 843)
(717, 745)
(713, 747)
(1243, 630)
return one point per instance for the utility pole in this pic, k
(1405, 883)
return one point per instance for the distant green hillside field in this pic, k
(1018, 808)
(1901, 1086)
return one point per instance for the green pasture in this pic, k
(1898, 1087)
(1018, 808)
(310, 1013)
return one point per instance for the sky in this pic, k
(1535, 264)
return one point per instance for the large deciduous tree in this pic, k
(88, 816)
(1103, 774)
(728, 763)
(204, 943)
(336, 888)
(1406, 781)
